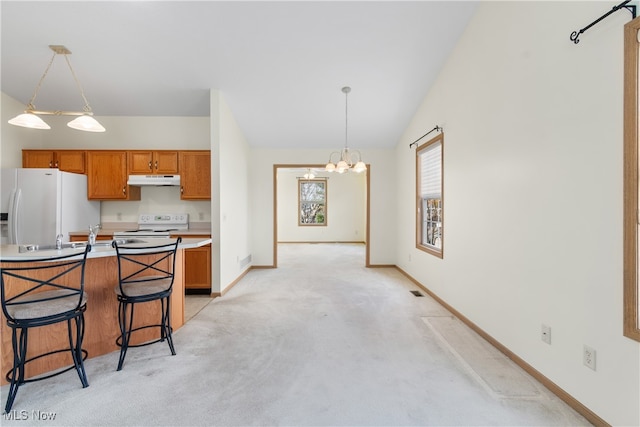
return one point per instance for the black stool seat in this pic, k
(50, 292)
(145, 274)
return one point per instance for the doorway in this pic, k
(301, 168)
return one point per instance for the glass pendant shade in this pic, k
(342, 166)
(86, 123)
(360, 167)
(330, 167)
(29, 120)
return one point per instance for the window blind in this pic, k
(431, 171)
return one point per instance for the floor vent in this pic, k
(416, 293)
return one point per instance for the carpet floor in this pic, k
(319, 341)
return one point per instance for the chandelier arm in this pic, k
(60, 113)
(87, 107)
(30, 105)
(359, 155)
(331, 156)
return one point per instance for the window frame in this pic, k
(631, 302)
(431, 249)
(301, 182)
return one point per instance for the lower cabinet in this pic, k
(197, 267)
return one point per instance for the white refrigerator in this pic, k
(38, 204)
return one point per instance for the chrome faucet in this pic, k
(93, 232)
(59, 241)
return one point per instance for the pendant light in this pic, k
(346, 160)
(84, 121)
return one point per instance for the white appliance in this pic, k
(154, 180)
(39, 204)
(157, 225)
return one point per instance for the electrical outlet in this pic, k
(589, 357)
(545, 334)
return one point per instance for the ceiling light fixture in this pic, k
(346, 161)
(29, 118)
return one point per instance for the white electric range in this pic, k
(157, 226)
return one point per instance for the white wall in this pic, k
(345, 208)
(235, 227)
(382, 192)
(533, 193)
(125, 133)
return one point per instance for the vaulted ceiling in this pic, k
(279, 65)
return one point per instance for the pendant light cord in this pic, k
(346, 91)
(86, 107)
(30, 106)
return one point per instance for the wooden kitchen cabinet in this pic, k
(153, 162)
(197, 265)
(65, 160)
(195, 175)
(107, 176)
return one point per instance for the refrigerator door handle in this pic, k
(14, 205)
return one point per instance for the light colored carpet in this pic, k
(320, 341)
(193, 304)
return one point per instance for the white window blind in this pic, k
(431, 171)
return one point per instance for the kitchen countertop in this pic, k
(108, 231)
(11, 252)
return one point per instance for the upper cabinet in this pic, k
(108, 170)
(195, 175)
(153, 162)
(107, 176)
(65, 160)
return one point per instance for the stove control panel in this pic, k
(163, 219)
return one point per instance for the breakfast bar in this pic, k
(101, 316)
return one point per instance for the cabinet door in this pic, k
(70, 161)
(107, 176)
(37, 159)
(65, 160)
(153, 162)
(195, 175)
(197, 268)
(140, 162)
(165, 162)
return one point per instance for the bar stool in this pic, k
(49, 292)
(146, 274)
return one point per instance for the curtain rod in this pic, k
(416, 141)
(631, 8)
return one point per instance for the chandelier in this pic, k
(30, 119)
(346, 160)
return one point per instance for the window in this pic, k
(631, 177)
(312, 202)
(429, 206)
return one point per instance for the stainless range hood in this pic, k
(154, 180)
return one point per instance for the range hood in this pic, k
(155, 180)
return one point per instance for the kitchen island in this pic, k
(101, 317)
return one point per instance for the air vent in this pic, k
(416, 293)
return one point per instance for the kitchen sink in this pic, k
(103, 243)
(75, 245)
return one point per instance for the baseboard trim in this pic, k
(553, 387)
(381, 266)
